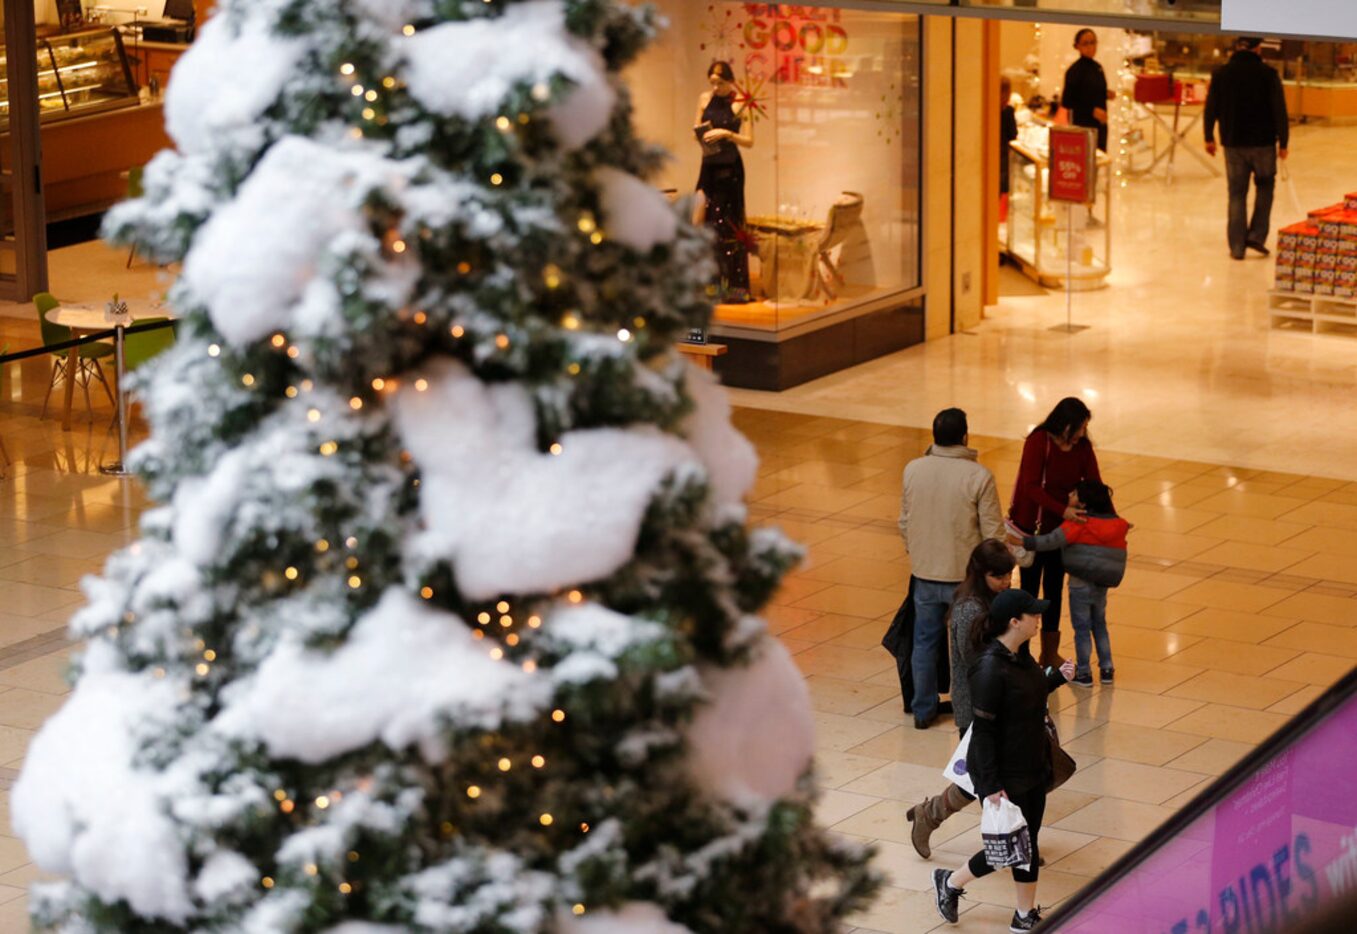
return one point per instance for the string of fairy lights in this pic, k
(500, 625)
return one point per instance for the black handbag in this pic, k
(1062, 763)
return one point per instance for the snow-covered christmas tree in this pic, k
(448, 620)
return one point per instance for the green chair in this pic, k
(87, 366)
(140, 347)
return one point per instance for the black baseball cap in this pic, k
(1013, 603)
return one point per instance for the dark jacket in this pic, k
(1246, 98)
(1093, 550)
(1085, 91)
(1034, 499)
(1009, 750)
(1008, 132)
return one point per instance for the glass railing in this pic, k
(1269, 847)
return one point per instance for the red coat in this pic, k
(1063, 471)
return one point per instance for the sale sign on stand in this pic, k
(1073, 151)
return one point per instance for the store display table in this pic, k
(86, 319)
(1318, 311)
(786, 248)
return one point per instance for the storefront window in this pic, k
(828, 105)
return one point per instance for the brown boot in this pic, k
(1050, 650)
(930, 813)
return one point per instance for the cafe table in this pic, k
(86, 319)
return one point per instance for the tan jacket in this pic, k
(948, 506)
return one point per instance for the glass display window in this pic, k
(78, 73)
(811, 183)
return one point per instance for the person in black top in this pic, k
(1008, 130)
(1009, 756)
(1085, 94)
(1246, 98)
(721, 179)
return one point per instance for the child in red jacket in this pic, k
(1094, 552)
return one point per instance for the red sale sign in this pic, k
(1073, 151)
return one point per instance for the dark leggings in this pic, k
(1048, 571)
(1032, 803)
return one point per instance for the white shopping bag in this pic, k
(956, 771)
(1004, 832)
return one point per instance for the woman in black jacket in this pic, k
(1085, 94)
(1009, 756)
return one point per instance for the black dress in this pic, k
(1086, 90)
(722, 182)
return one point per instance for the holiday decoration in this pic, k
(448, 619)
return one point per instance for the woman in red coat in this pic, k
(1055, 458)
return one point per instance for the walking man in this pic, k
(1246, 98)
(948, 506)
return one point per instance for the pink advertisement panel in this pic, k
(1263, 859)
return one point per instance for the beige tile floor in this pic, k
(1237, 610)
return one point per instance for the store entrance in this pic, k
(1162, 199)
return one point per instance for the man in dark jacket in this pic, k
(1246, 98)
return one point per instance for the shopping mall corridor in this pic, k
(1237, 610)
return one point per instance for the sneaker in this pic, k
(1106, 675)
(1027, 922)
(947, 897)
(1084, 681)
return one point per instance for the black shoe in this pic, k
(1028, 922)
(1257, 247)
(921, 723)
(947, 897)
(1084, 681)
(1236, 256)
(1106, 675)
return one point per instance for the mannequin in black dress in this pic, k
(721, 181)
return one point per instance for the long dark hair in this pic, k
(1069, 413)
(989, 557)
(723, 69)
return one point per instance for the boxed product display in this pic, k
(1318, 256)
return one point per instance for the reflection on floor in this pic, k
(1179, 360)
(1237, 610)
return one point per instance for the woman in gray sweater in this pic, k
(988, 572)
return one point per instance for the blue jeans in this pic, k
(1088, 614)
(931, 602)
(1241, 163)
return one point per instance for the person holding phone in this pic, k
(1010, 755)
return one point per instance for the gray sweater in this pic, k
(966, 614)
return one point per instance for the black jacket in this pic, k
(1009, 750)
(1085, 91)
(1246, 98)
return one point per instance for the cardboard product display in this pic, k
(1318, 256)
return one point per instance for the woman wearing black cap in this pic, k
(1009, 755)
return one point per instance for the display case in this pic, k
(1053, 242)
(78, 73)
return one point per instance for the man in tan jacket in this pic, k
(948, 506)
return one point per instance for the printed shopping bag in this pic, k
(956, 771)
(1004, 832)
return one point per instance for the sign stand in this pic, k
(1074, 151)
(117, 314)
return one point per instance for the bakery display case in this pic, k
(79, 73)
(1054, 242)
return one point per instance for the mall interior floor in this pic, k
(1237, 610)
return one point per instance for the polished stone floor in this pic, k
(1238, 610)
